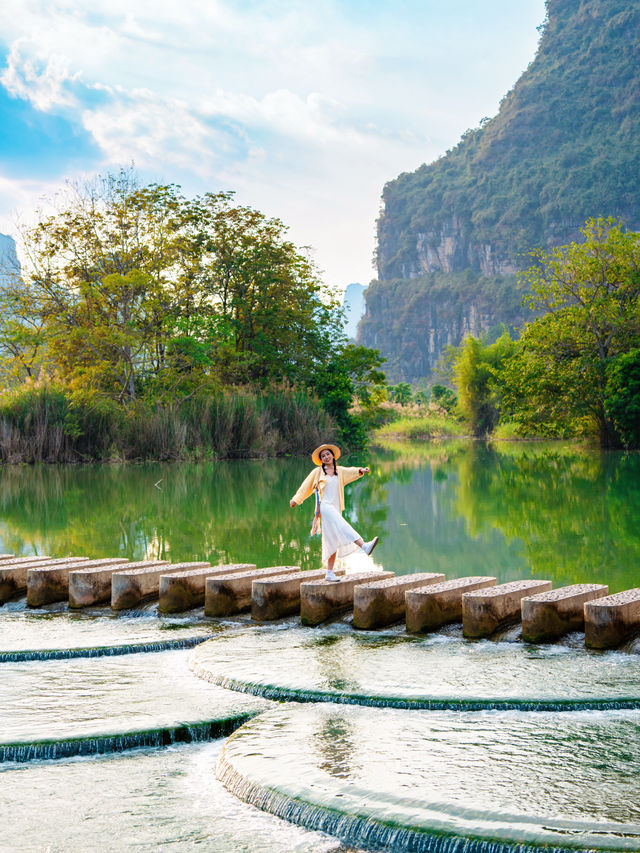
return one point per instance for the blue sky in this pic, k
(304, 108)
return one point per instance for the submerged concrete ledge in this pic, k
(274, 598)
(321, 599)
(484, 611)
(548, 615)
(47, 584)
(197, 731)
(132, 586)
(440, 604)
(279, 693)
(229, 594)
(357, 824)
(103, 651)
(610, 621)
(184, 590)
(377, 604)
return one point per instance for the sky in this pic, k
(304, 108)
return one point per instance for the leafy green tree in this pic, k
(401, 393)
(444, 397)
(623, 396)
(591, 291)
(477, 369)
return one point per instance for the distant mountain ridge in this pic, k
(563, 147)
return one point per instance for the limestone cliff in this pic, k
(564, 146)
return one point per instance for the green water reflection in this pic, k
(460, 508)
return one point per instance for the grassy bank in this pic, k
(48, 424)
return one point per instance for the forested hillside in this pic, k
(564, 147)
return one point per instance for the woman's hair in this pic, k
(335, 467)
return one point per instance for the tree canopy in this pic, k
(131, 291)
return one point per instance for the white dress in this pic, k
(338, 536)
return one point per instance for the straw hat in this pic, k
(316, 453)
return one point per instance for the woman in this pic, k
(329, 480)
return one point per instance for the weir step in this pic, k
(611, 620)
(184, 590)
(231, 593)
(548, 615)
(380, 603)
(132, 586)
(274, 598)
(88, 587)
(431, 607)
(321, 599)
(484, 611)
(46, 584)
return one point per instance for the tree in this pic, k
(401, 393)
(623, 396)
(591, 291)
(477, 370)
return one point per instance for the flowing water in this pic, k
(112, 724)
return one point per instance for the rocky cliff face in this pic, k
(564, 147)
(449, 249)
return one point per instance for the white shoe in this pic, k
(369, 546)
(331, 576)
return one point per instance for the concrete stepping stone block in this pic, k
(484, 611)
(89, 587)
(321, 599)
(548, 615)
(380, 603)
(13, 575)
(46, 584)
(226, 595)
(132, 586)
(184, 590)
(274, 598)
(7, 557)
(431, 607)
(611, 620)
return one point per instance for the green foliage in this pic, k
(622, 400)
(478, 368)
(141, 296)
(421, 428)
(556, 382)
(400, 393)
(444, 397)
(563, 146)
(53, 424)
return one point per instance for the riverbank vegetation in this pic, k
(574, 371)
(144, 324)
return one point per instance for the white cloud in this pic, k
(306, 108)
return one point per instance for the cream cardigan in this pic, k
(318, 478)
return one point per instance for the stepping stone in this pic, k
(13, 575)
(46, 584)
(231, 593)
(88, 587)
(7, 557)
(321, 599)
(431, 607)
(273, 598)
(131, 586)
(611, 620)
(184, 590)
(380, 603)
(549, 615)
(486, 610)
